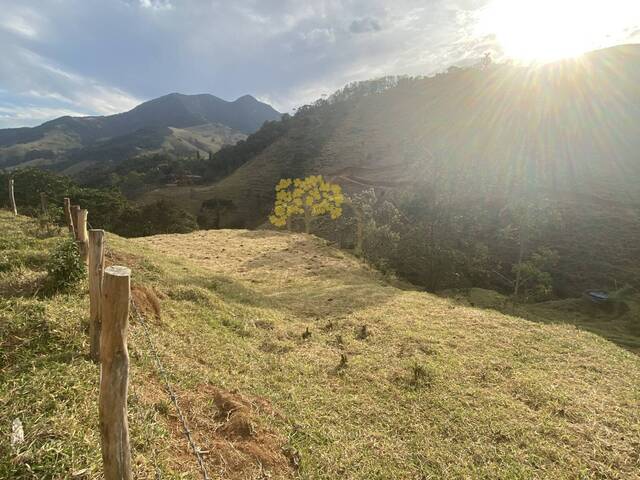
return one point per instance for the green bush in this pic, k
(65, 269)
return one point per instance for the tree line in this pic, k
(108, 208)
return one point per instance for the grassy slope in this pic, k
(179, 141)
(435, 390)
(57, 141)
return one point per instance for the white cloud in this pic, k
(19, 25)
(156, 4)
(30, 77)
(100, 57)
(30, 115)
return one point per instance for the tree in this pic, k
(159, 217)
(211, 212)
(310, 197)
(528, 221)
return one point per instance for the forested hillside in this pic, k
(461, 153)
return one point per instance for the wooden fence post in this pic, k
(83, 236)
(75, 211)
(96, 267)
(43, 202)
(114, 373)
(12, 198)
(67, 215)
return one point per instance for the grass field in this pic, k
(292, 359)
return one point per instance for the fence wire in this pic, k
(167, 386)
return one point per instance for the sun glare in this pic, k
(546, 30)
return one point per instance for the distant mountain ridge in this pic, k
(65, 137)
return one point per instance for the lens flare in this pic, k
(547, 30)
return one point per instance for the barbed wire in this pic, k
(167, 386)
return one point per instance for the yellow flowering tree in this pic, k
(309, 197)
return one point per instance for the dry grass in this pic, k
(495, 397)
(263, 335)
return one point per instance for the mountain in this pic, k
(147, 127)
(569, 131)
(567, 126)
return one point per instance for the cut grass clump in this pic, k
(421, 376)
(191, 294)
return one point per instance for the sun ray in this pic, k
(547, 30)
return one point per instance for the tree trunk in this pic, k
(43, 202)
(359, 230)
(307, 220)
(516, 288)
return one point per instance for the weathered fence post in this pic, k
(75, 211)
(12, 198)
(114, 373)
(96, 267)
(67, 215)
(83, 236)
(43, 202)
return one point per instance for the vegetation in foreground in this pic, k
(293, 359)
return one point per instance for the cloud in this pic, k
(30, 76)
(98, 57)
(18, 25)
(156, 4)
(30, 115)
(365, 25)
(35, 86)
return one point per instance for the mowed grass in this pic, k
(292, 359)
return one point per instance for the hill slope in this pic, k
(76, 139)
(567, 133)
(252, 331)
(572, 128)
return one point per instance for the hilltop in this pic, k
(174, 123)
(293, 359)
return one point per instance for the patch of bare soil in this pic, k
(230, 430)
(146, 301)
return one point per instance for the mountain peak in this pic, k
(247, 98)
(244, 115)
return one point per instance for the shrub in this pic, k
(65, 269)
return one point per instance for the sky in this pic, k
(98, 57)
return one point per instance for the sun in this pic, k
(547, 30)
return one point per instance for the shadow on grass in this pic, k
(26, 336)
(330, 298)
(617, 325)
(301, 276)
